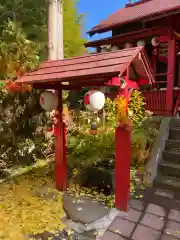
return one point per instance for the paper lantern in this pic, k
(104, 49)
(114, 48)
(141, 43)
(49, 100)
(155, 42)
(94, 100)
(128, 45)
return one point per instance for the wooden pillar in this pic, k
(171, 74)
(154, 61)
(178, 71)
(122, 164)
(122, 168)
(60, 148)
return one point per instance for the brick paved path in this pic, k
(155, 217)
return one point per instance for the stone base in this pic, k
(86, 216)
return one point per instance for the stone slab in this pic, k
(111, 236)
(84, 210)
(145, 233)
(164, 193)
(122, 227)
(173, 229)
(153, 221)
(168, 237)
(156, 210)
(132, 215)
(174, 215)
(136, 204)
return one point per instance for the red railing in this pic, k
(156, 100)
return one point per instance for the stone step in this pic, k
(174, 134)
(175, 122)
(173, 145)
(166, 182)
(171, 156)
(169, 169)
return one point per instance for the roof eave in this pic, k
(112, 26)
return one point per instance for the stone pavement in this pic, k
(155, 217)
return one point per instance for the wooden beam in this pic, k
(132, 36)
(46, 86)
(171, 73)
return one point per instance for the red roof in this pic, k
(137, 11)
(80, 70)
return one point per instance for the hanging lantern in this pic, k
(48, 100)
(128, 45)
(104, 49)
(155, 42)
(141, 43)
(114, 48)
(94, 100)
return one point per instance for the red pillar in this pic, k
(60, 148)
(179, 71)
(154, 61)
(122, 162)
(171, 74)
(122, 167)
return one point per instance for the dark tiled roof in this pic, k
(135, 12)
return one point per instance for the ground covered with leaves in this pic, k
(29, 206)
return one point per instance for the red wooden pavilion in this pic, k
(95, 70)
(143, 20)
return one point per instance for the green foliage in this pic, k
(110, 112)
(88, 149)
(142, 141)
(17, 53)
(136, 107)
(23, 45)
(73, 41)
(32, 15)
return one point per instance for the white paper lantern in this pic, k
(94, 100)
(104, 49)
(155, 42)
(114, 48)
(49, 100)
(141, 43)
(128, 45)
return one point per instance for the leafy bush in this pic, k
(136, 107)
(110, 112)
(88, 149)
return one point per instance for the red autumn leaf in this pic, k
(14, 87)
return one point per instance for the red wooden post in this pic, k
(122, 162)
(171, 74)
(154, 61)
(122, 167)
(60, 148)
(179, 71)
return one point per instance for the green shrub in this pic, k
(110, 113)
(88, 149)
(136, 107)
